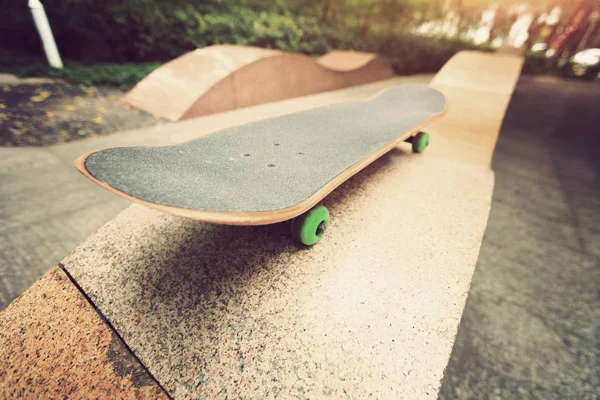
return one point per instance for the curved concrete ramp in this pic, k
(474, 70)
(478, 87)
(215, 311)
(341, 60)
(225, 77)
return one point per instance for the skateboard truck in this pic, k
(310, 227)
(419, 141)
(321, 228)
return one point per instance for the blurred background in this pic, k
(417, 35)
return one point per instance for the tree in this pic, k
(581, 20)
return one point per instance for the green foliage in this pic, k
(152, 31)
(539, 64)
(412, 54)
(124, 76)
(121, 75)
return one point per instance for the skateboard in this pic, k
(272, 170)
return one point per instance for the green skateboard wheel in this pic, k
(310, 227)
(420, 142)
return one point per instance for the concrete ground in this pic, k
(46, 209)
(46, 113)
(530, 327)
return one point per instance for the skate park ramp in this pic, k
(478, 87)
(214, 311)
(371, 310)
(226, 77)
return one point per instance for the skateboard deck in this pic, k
(267, 171)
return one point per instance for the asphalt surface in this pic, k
(531, 325)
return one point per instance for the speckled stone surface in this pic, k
(372, 310)
(267, 165)
(53, 344)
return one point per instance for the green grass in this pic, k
(123, 76)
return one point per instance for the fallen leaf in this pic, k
(81, 132)
(2, 106)
(63, 132)
(94, 136)
(42, 95)
(18, 124)
(49, 114)
(70, 107)
(16, 132)
(98, 120)
(3, 117)
(156, 117)
(6, 88)
(91, 91)
(100, 109)
(127, 106)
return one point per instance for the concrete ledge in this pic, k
(372, 310)
(243, 312)
(478, 88)
(53, 344)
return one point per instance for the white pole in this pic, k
(43, 27)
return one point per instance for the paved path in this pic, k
(46, 209)
(531, 326)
